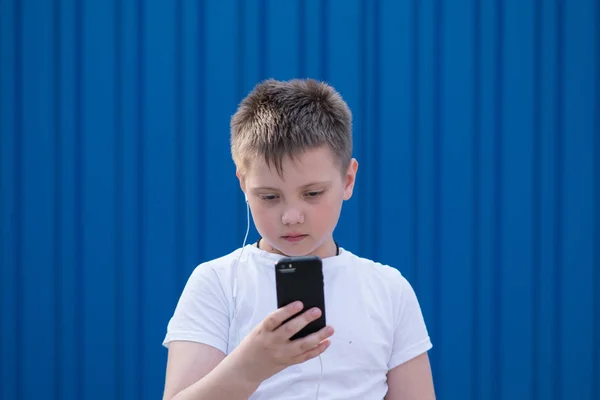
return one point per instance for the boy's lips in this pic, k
(294, 237)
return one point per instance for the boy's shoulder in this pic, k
(374, 267)
(228, 263)
(380, 278)
(217, 266)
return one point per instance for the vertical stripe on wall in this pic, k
(596, 316)
(79, 204)
(558, 193)
(536, 199)
(118, 223)
(325, 40)
(454, 202)
(367, 130)
(547, 208)
(393, 141)
(18, 195)
(577, 205)
(476, 178)
(596, 180)
(484, 283)
(179, 191)
(57, 200)
(7, 124)
(413, 106)
(140, 203)
(375, 128)
(97, 163)
(497, 373)
(437, 110)
(516, 172)
(361, 135)
(70, 337)
(3, 258)
(198, 48)
(240, 91)
(477, 131)
(426, 175)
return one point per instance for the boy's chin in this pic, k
(301, 249)
(293, 249)
(295, 253)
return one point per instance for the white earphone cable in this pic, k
(320, 376)
(235, 280)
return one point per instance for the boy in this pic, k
(291, 143)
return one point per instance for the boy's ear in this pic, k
(240, 178)
(350, 179)
(242, 181)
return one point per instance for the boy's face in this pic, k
(297, 213)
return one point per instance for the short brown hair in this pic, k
(286, 118)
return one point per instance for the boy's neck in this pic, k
(328, 249)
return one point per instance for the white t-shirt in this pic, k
(376, 316)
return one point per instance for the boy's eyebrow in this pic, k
(301, 187)
(315, 184)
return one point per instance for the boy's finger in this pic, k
(294, 326)
(274, 321)
(312, 353)
(313, 340)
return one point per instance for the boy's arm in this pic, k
(409, 372)
(196, 371)
(411, 380)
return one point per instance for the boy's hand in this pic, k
(268, 349)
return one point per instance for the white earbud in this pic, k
(246, 197)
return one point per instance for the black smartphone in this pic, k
(301, 279)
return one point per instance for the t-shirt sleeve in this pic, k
(410, 334)
(201, 314)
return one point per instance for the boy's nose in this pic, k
(292, 216)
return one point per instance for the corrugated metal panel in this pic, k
(477, 127)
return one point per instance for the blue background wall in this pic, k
(477, 128)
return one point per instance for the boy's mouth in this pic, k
(294, 237)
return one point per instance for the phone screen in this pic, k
(301, 279)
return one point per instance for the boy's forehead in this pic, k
(310, 166)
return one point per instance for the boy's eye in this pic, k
(268, 197)
(313, 194)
